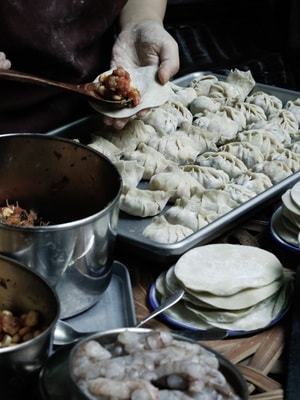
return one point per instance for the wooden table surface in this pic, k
(262, 358)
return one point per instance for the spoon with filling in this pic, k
(89, 90)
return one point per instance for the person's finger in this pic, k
(117, 123)
(169, 64)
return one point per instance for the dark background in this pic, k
(219, 35)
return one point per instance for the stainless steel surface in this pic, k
(64, 333)
(130, 230)
(22, 290)
(169, 302)
(114, 309)
(231, 373)
(77, 190)
(89, 89)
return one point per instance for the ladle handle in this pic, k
(10, 74)
(169, 302)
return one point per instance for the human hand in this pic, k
(141, 44)
(4, 62)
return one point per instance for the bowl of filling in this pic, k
(137, 363)
(29, 310)
(59, 211)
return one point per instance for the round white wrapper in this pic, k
(152, 92)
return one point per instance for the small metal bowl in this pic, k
(22, 290)
(76, 189)
(106, 338)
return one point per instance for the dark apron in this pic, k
(65, 40)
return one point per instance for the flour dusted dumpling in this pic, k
(128, 138)
(243, 80)
(245, 151)
(217, 201)
(261, 138)
(256, 181)
(202, 84)
(294, 107)
(222, 160)
(105, 147)
(177, 147)
(223, 127)
(182, 113)
(290, 158)
(161, 120)
(130, 171)
(235, 115)
(204, 139)
(143, 203)
(276, 170)
(252, 112)
(269, 103)
(202, 103)
(239, 193)
(150, 159)
(180, 214)
(273, 127)
(209, 177)
(225, 93)
(287, 120)
(183, 95)
(160, 230)
(175, 180)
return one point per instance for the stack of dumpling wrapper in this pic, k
(234, 287)
(287, 226)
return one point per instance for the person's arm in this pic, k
(136, 11)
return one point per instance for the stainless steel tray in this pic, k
(130, 238)
(115, 308)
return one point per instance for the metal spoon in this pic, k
(64, 333)
(88, 90)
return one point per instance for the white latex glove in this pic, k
(142, 44)
(4, 62)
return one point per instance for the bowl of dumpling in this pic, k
(59, 208)
(136, 363)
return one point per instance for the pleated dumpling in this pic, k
(245, 151)
(209, 177)
(150, 159)
(222, 160)
(130, 171)
(243, 80)
(105, 147)
(143, 203)
(202, 84)
(294, 107)
(162, 231)
(128, 138)
(255, 180)
(276, 170)
(261, 138)
(269, 103)
(176, 181)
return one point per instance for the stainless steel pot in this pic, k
(77, 190)
(22, 290)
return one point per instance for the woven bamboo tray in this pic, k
(261, 358)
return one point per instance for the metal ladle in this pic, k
(64, 333)
(89, 90)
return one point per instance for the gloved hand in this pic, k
(142, 44)
(4, 62)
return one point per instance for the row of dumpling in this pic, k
(210, 148)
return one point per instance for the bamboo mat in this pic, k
(262, 357)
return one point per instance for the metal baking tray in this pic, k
(130, 238)
(115, 308)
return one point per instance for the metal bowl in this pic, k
(22, 290)
(74, 188)
(106, 338)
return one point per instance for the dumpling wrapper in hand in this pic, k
(152, 92)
